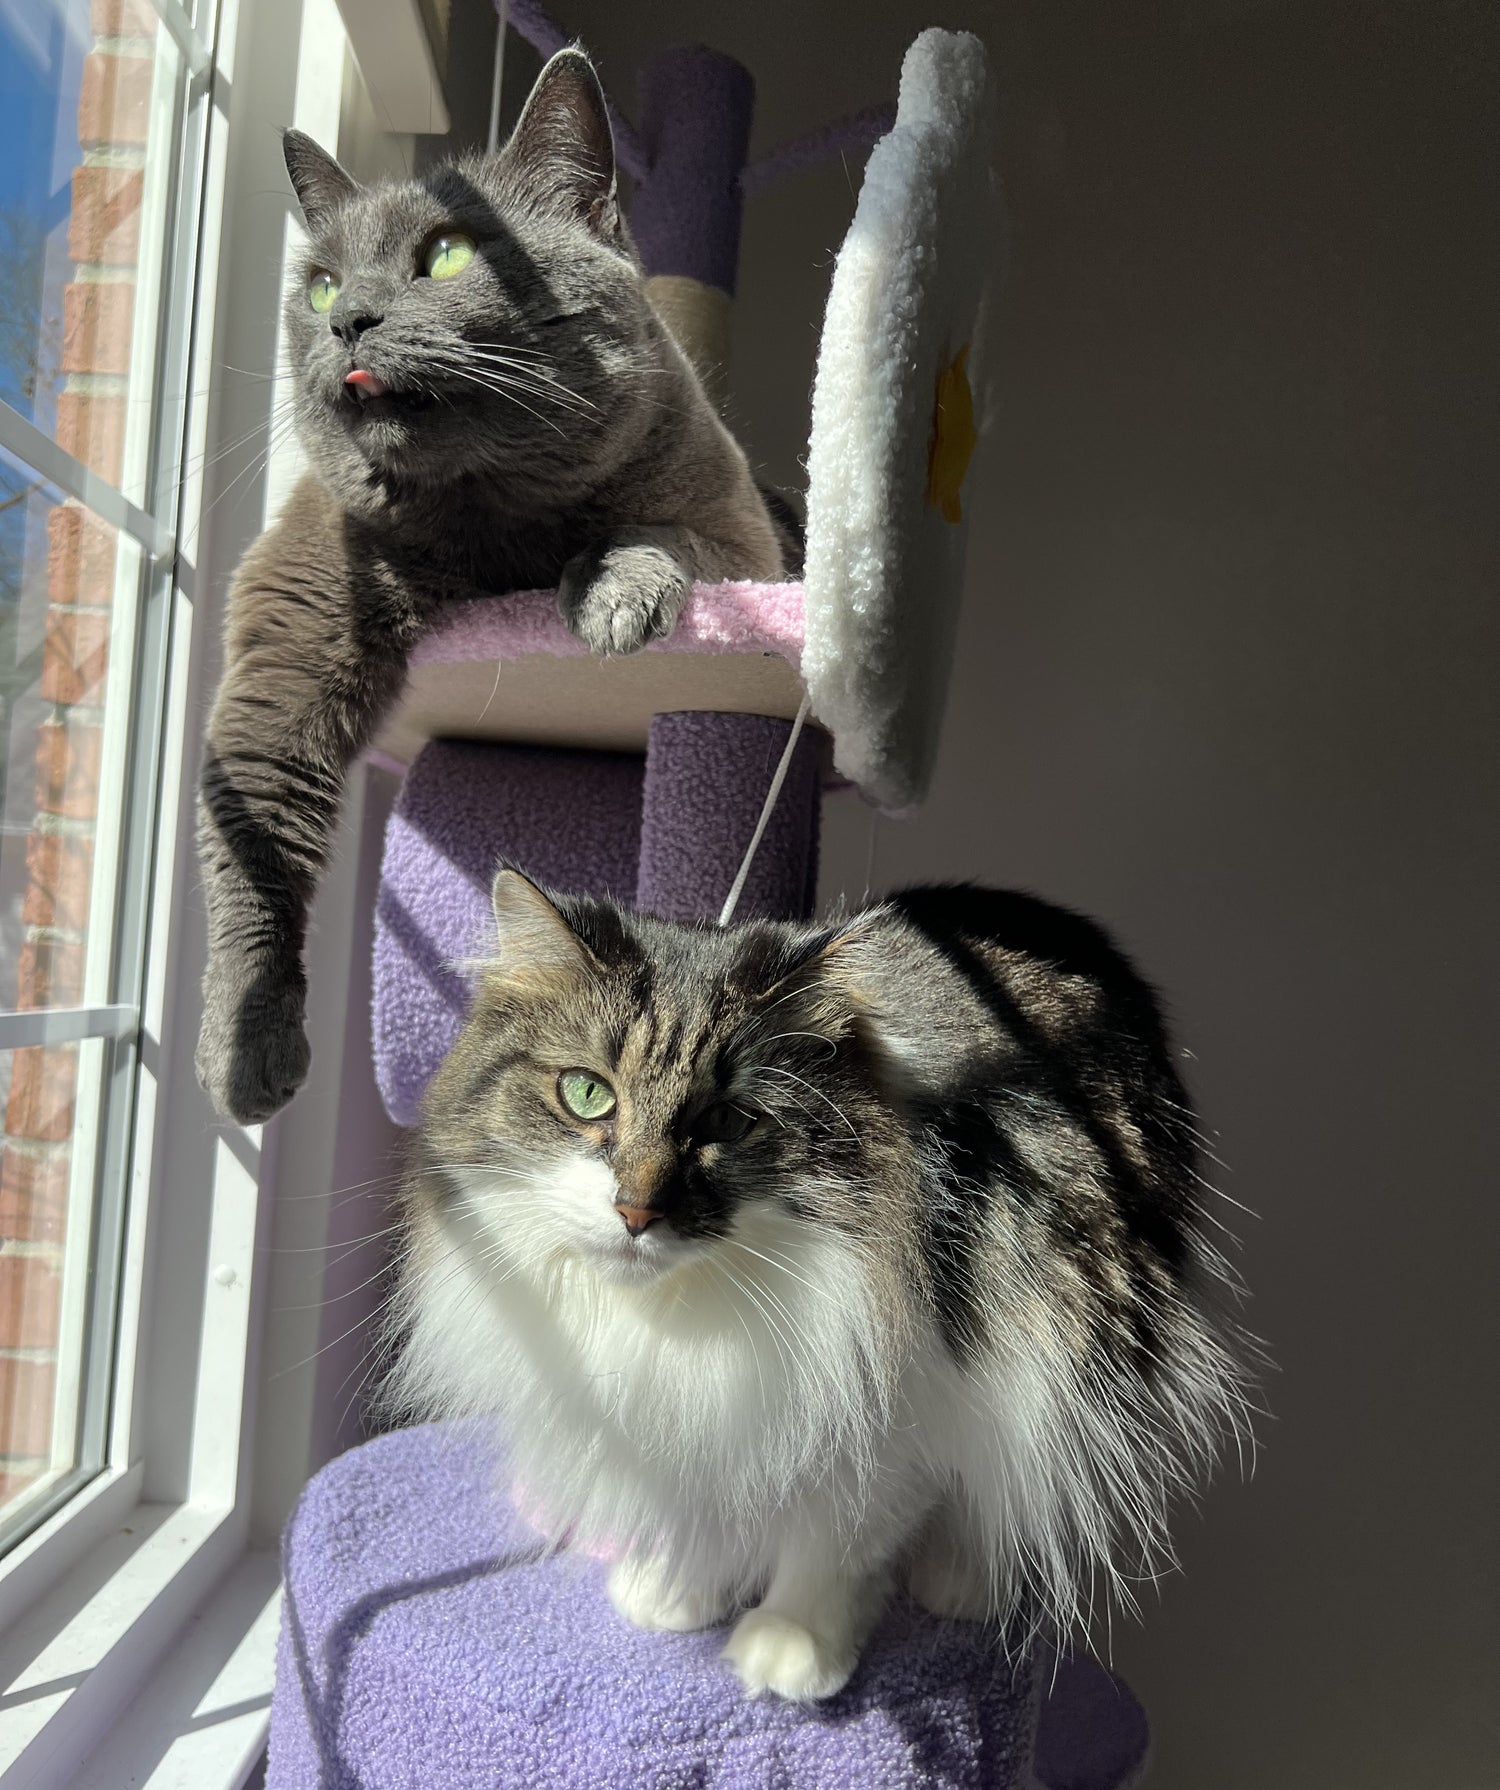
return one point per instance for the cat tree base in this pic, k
(429, 1638)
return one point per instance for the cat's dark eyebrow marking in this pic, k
(697, 1040)
(643, 1023)
(725, 1064)
(484, 1077)
(671, 1051)
(643, 987)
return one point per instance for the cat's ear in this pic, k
(908, 999)
(320, 184)
(817, 976)
(871, 978)
(563, 143)
(538, 946)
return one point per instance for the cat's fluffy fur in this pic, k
(939, 1312)
(527, 423)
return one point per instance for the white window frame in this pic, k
(138, 1623)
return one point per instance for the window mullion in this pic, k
(194, 51)
(22, 438)
(66, 1025)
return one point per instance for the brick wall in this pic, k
(98, 308)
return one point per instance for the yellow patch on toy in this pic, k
(954, 438)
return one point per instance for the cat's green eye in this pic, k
(448, 255)
(586, 1096)
(322, 290)
(723, 1123)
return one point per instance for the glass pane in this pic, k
(88, 102)
(69, 594)
(96, 280)
(68, 589)
(49, 1098)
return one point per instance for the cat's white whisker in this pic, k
(745, 1326)
(791, 1075)
(541, 376)
(776, 1262)
(505, 377)
(817, 1037)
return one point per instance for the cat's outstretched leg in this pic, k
(307, 678)
(803, 1639)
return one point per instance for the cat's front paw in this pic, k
(643, 1594)
(252, 1050)
(615, 599)
(773, 1653)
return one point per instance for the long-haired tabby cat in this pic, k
(790, 1259)
(488, 403)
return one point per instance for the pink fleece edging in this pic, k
(717, 618)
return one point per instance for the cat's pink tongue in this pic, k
(368, 385)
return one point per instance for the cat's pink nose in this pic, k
(637, 1217)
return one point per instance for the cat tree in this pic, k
(407, 1582)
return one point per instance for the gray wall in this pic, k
(1226, 680)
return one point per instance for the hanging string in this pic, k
(870, 855)
(732, 900)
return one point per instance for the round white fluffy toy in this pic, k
(895, 403)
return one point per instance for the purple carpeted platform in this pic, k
(428, 1641)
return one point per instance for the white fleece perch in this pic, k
(893, 407)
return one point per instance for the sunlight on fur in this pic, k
(916, 1302)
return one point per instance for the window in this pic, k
(103, 116)
(169, 1374)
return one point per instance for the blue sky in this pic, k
(42, 46)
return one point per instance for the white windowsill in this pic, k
(201, 1725)
(102, 1642)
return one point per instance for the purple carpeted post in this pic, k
(570, 819)
(696, 106)
(1092, 1731)
(706, 779)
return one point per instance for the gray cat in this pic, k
(489, 403)
(791, 1259)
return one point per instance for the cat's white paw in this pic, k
(617, 598)
(642, 1593)
(773, 1653)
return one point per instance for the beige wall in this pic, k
(1226, 681)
